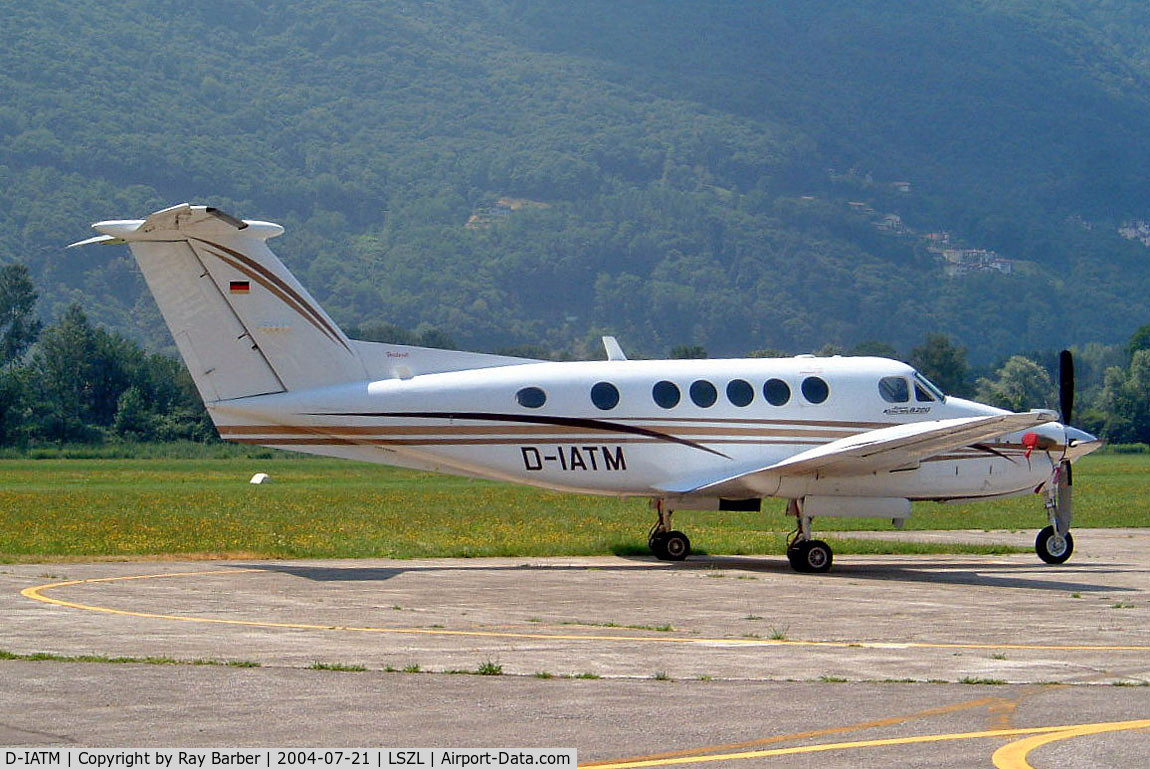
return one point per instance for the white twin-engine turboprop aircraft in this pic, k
(834, 436)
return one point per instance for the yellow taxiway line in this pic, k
(807, 735)
(36, 593)
(1010, 756)
(1013, 755)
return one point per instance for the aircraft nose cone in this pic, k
(1079, 443)
(1074, 435)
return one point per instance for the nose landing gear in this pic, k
(1054, 544)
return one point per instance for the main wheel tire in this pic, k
(675, 546)
(795, 556)
(656, 543)
(1053, 548)
(819, 556)
(811, 557)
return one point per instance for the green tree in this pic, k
(1139, 340)
(688, 352)
(1126, 401)
(876, 349)
(134, 420)
(830, 350)
(423, 336)
(944, 363)
(12, 404)
(176, 410)
(18, 324)
(1021, 384)
(18, 329)
(79, 373)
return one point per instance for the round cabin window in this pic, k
(815, 389)
(703, 393)
(666, 394)
(777, 392)
(531, 397)
(605, 396)
(740, 392)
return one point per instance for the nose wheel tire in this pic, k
(811, 556)
(670, 546)
(1052, 547)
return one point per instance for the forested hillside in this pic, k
(731, 175)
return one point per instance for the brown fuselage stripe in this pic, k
(335, 441)
(680, 426)
(505, 431)
(600, 425)
(330, 440)
(797, 422)
(274, 434)
(553, 430)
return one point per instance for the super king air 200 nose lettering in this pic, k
(833, 436)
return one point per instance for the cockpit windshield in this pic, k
(926, 391)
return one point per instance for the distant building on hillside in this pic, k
(501, 209)
(1136, 230)
(891, 223)
(964, 261)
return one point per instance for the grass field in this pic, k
(52, 509)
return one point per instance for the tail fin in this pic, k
(243, 324)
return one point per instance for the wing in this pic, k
(887, 448)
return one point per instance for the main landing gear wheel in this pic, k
(810, 556)
(1053, 548)
(670, 546)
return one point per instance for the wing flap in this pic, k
(736, 482)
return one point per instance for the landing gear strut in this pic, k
(1055, 544)
(810, 556)
(666, 543)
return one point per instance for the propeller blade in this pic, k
(1066, 385)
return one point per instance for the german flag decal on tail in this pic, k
(240, 287)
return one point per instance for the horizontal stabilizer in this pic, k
(108, 240)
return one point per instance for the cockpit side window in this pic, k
(926, 391)
(894, 389)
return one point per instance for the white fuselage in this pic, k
(539, 424)
(835, 436)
